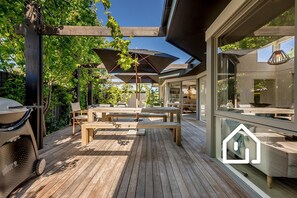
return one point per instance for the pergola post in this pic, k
(90, 88)
(34, 69)
(77, 88)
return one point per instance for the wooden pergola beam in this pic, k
(275, 31)
(95, 31)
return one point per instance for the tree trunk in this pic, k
(48, 100)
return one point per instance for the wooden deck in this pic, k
(116, 165)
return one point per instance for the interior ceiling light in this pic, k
(278, 57)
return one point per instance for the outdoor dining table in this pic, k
(104, 110)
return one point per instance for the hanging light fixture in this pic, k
(278, 57)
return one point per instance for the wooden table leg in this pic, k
(178, 117)
(103, 116)
(178, 136)
(174, 135)
(165, 118)
(90, 116)
(84, 136)
(269, 181)
(91, 135)
(137, 117)
(171, 117)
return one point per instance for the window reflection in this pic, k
(264, 53)
(247, 84)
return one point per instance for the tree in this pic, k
(11, 45)
(61, 55)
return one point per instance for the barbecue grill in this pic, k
(18, 149)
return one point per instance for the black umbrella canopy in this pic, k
(149, 61)
(142, 78)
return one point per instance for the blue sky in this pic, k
(142, 13)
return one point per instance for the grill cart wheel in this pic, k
(40, 166)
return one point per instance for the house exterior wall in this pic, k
(284, 95)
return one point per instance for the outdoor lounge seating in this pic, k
(87, 132)
(78, 115)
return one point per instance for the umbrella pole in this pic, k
(136, 86)
(139, 90)
(136, 94)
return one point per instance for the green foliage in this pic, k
(114, 95)
(58, 115)
(118, 43)
(152, 95)
(249, 43)
(285, 19)
(127, 91)
(109, 94)
(14, 88)
(11, 45)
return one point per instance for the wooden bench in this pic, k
(133, 115)
(87, 129)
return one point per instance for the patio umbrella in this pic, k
(143, 78)
(149, 62)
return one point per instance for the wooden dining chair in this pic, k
(78, 116)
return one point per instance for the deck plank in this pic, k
(67, 169)
(186, 165)
(182, 174)
(55, 163)
(176, 192)
(149, 186)
(134, 175)
(80, 184)
(157, 185)
(124, 182)
(162, 168)
(140, 189)
(106, 172)
(147, 166)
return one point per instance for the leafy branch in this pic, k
(118, 43)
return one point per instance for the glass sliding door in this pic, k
(189, 98)
(174, 94)
(202, 98)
